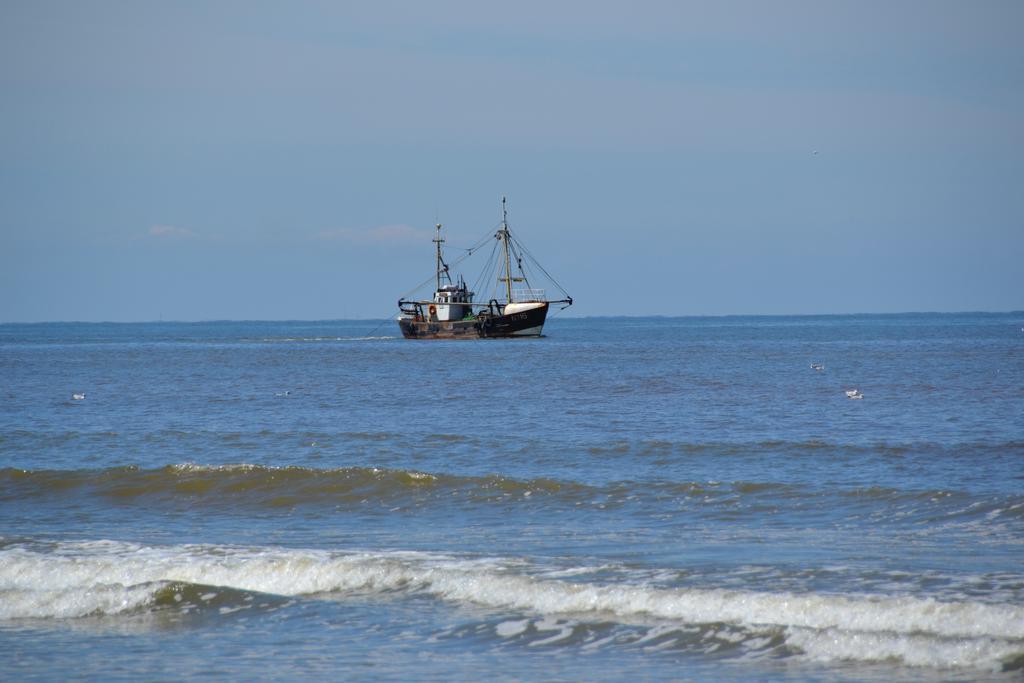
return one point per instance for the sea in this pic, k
(685, 499)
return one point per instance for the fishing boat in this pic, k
(514, 309)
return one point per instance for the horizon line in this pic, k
(566, 317)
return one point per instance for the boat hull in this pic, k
(528, 323)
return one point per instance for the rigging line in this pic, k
(481, 281)
(469, 252)
(479, 243)
(527, 271)
(379, 325)
(556, 312)
(493, 268)
(491, 273)
(461, 258)
(519, 263)
(417, 287)
(454, 263)
(546, 273)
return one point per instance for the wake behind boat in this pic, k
(510, 311)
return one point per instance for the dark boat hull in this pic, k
(527, 323)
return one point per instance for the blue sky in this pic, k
(272, 160)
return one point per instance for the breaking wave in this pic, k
(71, 580)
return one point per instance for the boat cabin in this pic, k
(452, 302)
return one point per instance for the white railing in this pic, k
(528, 294)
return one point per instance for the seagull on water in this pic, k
(78, 397)
(854, 394)
(817, 366)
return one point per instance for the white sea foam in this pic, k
(265, 340)
(508, 629)
(914, 650)
(110, 578)
(68, 603)
(564, 630)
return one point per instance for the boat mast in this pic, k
(503, 235)
(438, 240)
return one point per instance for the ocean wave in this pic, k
(264, 486)
(67, 580)
(177, 597)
